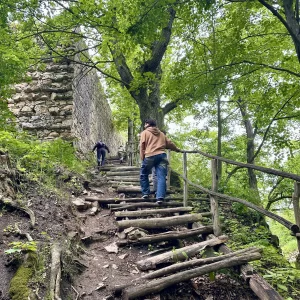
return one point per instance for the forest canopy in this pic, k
(231, 66)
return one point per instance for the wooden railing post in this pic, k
(214, 205)
(130, 142)
(169, 170)
(296, 196)
(185, 186)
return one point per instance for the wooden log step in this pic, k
(160, 222)
(127, 200)
(179, 254)
(157, 285)
(197, 262)
(135, 189)
(150, 212)
(117, 184)
(168, 236)
(115, 207)
(124, 178)
(117, 200)
(122, 168)
(123, 173)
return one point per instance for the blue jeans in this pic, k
(101, 153)
(160, 163)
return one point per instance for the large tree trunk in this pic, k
(250, 148)
(147, 94)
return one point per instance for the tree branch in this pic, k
(160, 47)
(269, 126)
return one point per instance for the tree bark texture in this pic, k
(115, 207)
(150, 212)
(198, 262)
(155, 286)
(160, 222)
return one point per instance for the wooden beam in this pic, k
(179, 254)
(155, 286)
(160, 222)
(150, 212)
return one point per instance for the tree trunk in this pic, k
(250, 148)
(147, 94)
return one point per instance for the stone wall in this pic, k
(65, 100)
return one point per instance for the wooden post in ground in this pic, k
(130, 142)
(169, 170)
(296, 196)
(214, 200)
(185, 186)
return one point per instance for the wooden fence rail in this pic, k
(214, 195)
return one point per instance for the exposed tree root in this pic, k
(14, 205)
(55, 275)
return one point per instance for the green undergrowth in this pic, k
(41, 161)
(273, 266)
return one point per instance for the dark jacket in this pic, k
(100, 145)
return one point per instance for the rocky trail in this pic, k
(138, 249)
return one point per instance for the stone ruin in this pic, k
(65, 100)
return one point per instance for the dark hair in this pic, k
(151, 122)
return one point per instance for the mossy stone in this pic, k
(19, 289)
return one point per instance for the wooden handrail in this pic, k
(293, 227)
(251, 166)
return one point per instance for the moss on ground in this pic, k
(19, 288)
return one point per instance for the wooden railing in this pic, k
(215, 196)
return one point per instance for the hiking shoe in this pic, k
(160, 200)
(145, 196)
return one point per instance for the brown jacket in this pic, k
(154, 142)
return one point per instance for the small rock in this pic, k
(112, 248)
(72, 234)
(121, 196)
(80, 204)
(105, 266)
(93, 211)
(101, 285)
(114, 266)
(96, 190)
(121, 235)
(123, 256)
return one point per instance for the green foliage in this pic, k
(288, 243)
(17, 44)
(273, 266)
(286, 280)
(20, 247)
(40, 160)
